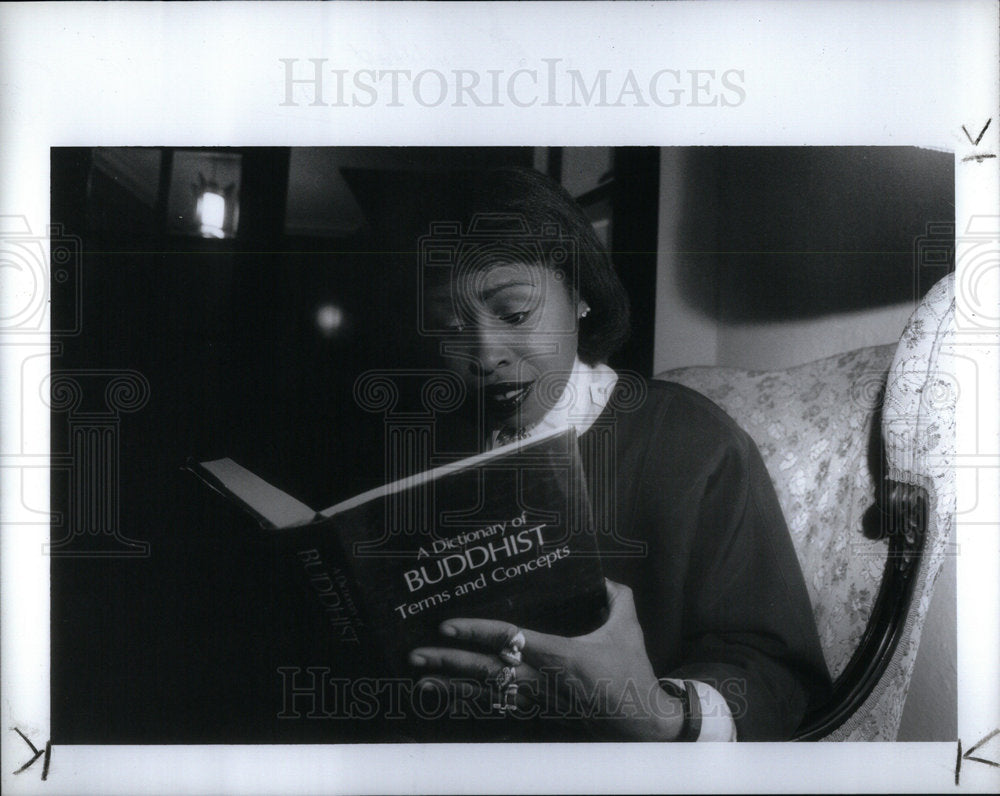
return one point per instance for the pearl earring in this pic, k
(585, 311)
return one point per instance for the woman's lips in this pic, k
(506, 397)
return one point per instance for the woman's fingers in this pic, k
(491, 636)
(487, 634)
(621, 602)
(471, 666)
(484, 639)
(459, 662)
(619, 594)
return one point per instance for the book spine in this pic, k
(336, 590)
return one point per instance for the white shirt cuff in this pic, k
(716, 718)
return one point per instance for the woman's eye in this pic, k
(515, 318)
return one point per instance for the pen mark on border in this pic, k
(983, 741)
(969, 756)
(981, 133)
(978, 158)
(36, 754)
(958, 761)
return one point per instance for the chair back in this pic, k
(816, 426)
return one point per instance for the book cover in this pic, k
(504, 535)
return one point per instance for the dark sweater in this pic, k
(692, 524)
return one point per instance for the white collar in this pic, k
(584, 397)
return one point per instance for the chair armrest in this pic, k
(903, 518)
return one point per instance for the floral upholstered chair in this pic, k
(860, 449)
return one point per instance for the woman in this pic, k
(709, 632)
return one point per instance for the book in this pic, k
(505, 534)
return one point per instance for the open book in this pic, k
(505, 534)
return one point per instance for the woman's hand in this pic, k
(603, 679)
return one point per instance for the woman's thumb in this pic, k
(620, 599)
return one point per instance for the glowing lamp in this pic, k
(211, 212)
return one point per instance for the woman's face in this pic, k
(515, 338)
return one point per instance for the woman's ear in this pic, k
(582, 308)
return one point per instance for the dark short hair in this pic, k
(527, 197)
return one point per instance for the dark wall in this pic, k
(783, 233)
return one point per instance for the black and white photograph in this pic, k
(336, 319)
(523, 447)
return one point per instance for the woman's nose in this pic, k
(491, 354)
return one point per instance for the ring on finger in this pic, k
(511, 652)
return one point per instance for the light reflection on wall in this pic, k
(329, 320)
